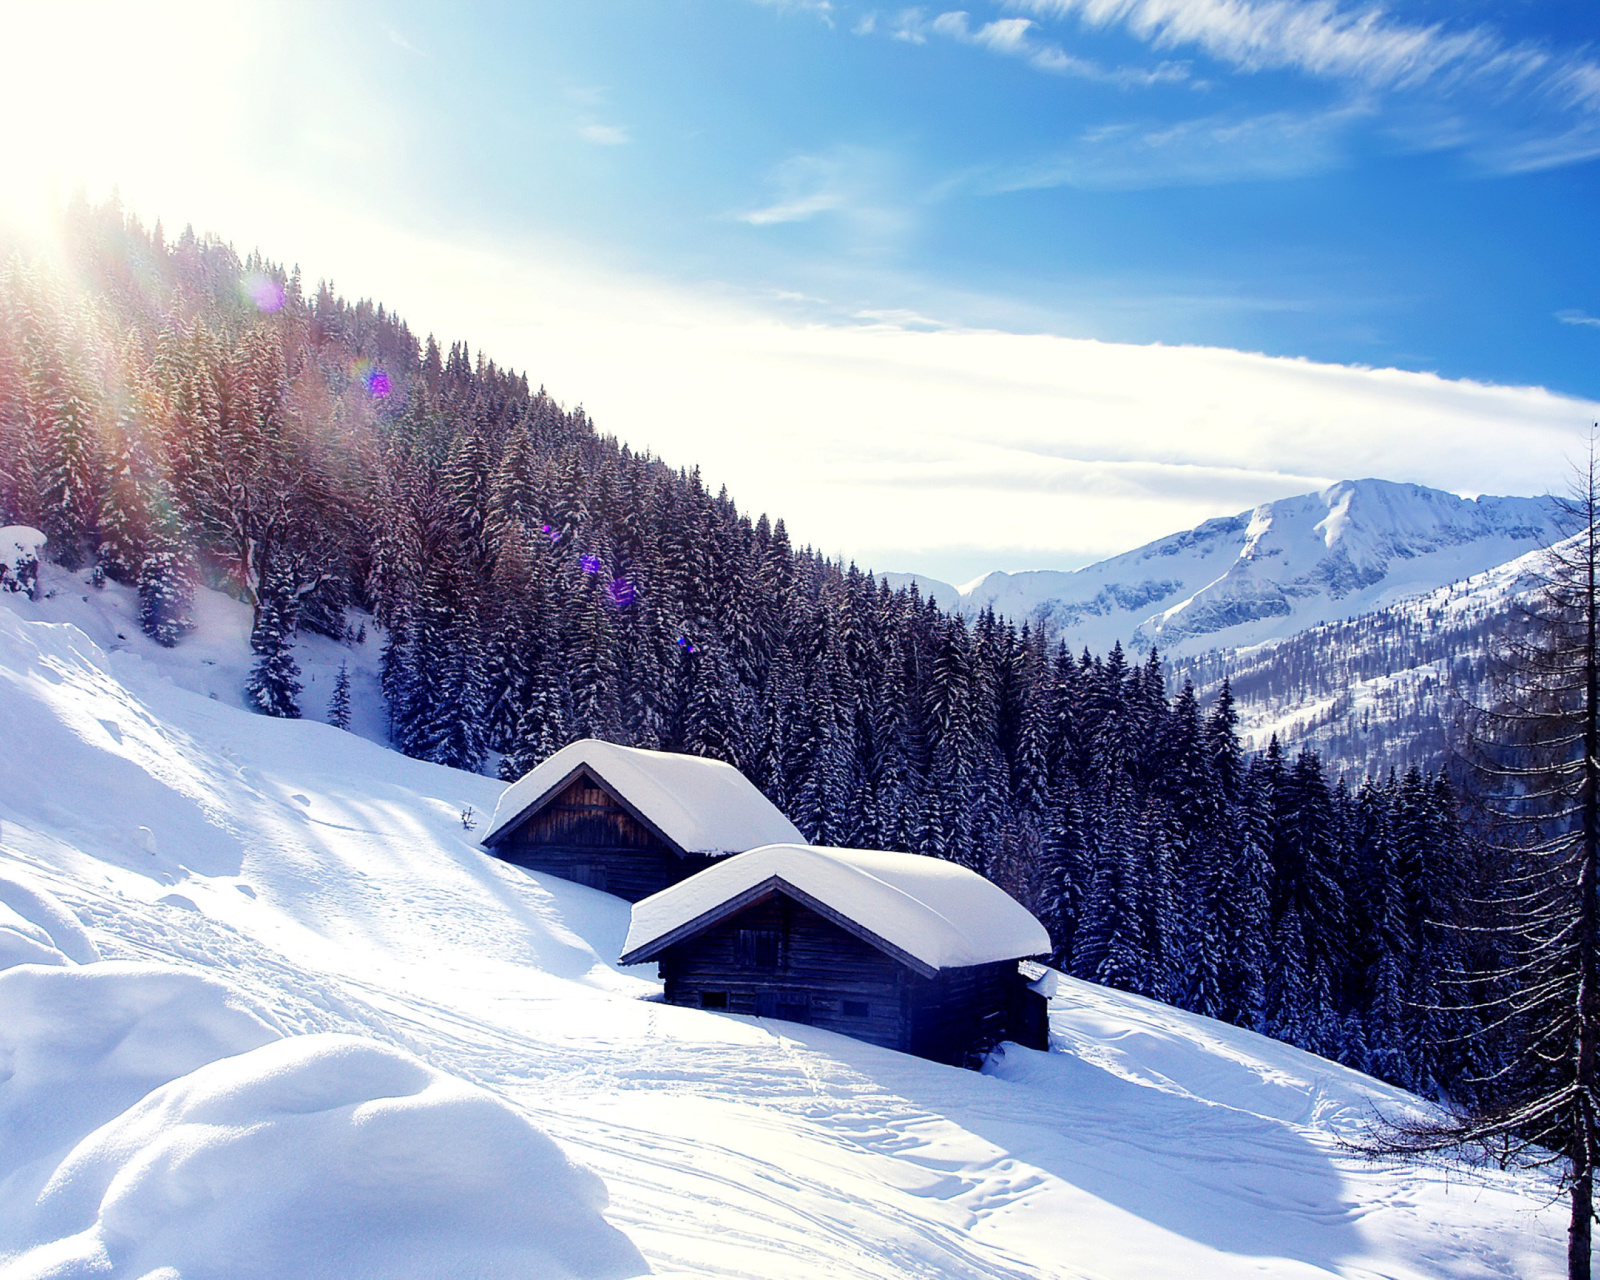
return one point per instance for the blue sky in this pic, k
(1013, 286)
(1414, 186)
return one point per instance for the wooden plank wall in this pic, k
(586, 836)
(819, 968)
(961, 1013)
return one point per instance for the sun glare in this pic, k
(145, 98)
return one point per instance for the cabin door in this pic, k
(592, 874)
(791, 1006)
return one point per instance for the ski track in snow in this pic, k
(333, 885)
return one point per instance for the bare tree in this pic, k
(1535, 756)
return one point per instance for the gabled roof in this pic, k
(927, 913)
(698, 805)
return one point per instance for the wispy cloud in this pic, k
(1316, 36)
(1016, 38)
(603, 135)
(1213, 149)
(1515, 105)
(823, 9)
(1578, 317)
(850, 183)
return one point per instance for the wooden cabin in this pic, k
(629, 821)
(907, 952)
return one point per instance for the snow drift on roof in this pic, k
(702, 806)
(941, 914)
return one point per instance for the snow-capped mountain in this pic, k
(267, 1009)
(1378, 691)
(1354, 547)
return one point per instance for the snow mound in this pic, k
(79, 1045)
(700, 805)
(36, 929)
(19, 557)
(936, 912)
(322, 1156)
(23, 942)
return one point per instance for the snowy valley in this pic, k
(232, 941)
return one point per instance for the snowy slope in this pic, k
(290, 1020)
(1378, 691)
(1356, 546)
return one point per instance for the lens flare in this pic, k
(375, 380)
(265, 292)
(591, 564)
(686, 644)
(620, 591)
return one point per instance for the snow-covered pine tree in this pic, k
(166, 596)
(339, 702)
(273, 687)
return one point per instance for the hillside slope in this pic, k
(1352, 548)
(1377, 691)
(290, 1019)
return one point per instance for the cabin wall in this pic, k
(820, 974)
(586, 836)
(962, 1013)
(779, 958)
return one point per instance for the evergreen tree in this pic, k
(166, 597)
(274, 684)
(339, 703)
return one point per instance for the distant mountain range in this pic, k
(1353, 548)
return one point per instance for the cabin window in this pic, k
(855, 1009)
(713, 999)
(756, 948)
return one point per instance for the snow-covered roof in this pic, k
(934, 913)
(701, 806)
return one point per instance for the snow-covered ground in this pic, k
(269, 1010)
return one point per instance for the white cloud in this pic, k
(1315, 36)
(1212, 149)
(822, 9)
(952, 451)
(854, 184)
(603, 135)
(1511, 106)
(1016, 38)
(1579, 318)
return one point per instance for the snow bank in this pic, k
(942, 914)
(79, 1045)
(36, 929)
(321, 1156)
(702, 806)
(19, 557)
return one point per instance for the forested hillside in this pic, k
(170, 414)
(1379, 692)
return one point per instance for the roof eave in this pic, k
(536, 806)
(755, 893)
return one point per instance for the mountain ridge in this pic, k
(1269, 572)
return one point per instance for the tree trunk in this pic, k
(1588, 934)
(1578, 1232)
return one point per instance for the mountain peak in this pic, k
(1353, 546)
